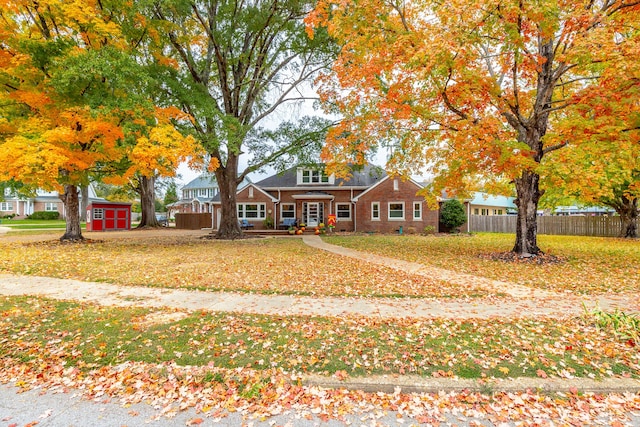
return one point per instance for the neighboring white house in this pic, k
(198, 194)
(48, 201)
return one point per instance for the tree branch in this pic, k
(286, 149)
(555, 147)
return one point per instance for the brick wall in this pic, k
(385, 194)
(253, 195)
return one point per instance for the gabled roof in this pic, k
(367, 176)
(202, 181)
(216, 198)
(355, 199)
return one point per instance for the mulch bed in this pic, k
(540, 259)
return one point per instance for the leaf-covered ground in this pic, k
(88, 336)
(221, 363)
(284, 266)
(589, 265)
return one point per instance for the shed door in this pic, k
(97, 222)
(109, 218)
(122, 219)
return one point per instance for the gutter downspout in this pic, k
(355, 212)
(277, 202)
(355, 217)
(275, 207)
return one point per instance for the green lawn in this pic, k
(31, 224)
(44, 333)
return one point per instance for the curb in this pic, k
(416, 384)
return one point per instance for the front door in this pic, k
(313, 214)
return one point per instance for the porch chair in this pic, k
(245, 225)
(287, 222)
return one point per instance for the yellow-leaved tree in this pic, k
(74, 97)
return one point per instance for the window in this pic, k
(202, 192)
(396, 211)
(287, 210)
(98, 213)
(375, 211)
(313, 176)
(251, 211)
(6, 206)
(476, 211)
(485, 211)
(497, 211)
(251, 192)
(51, 207)
(396, 185)
(417, 210)
(343, 211)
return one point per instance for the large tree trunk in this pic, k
(528, 195)
(227, 178)
(147, 191)
(628, 211)
(72, 212)
(84, 201)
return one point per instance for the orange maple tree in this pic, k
(156, 150)
(474, 91)
(604, 168)
(58, 131)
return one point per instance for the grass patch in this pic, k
(594, 265)
(269, 266)
(624, 326)
(90, 337)
(31, 224)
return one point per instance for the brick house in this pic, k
(369, 201)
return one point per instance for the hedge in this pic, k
(44, 215)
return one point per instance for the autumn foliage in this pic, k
(74, 102)
(476, 92)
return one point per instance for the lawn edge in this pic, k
(416, 384)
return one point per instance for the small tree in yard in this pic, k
(452, 214)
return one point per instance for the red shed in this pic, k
(108, 216)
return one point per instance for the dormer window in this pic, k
(313, 176)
